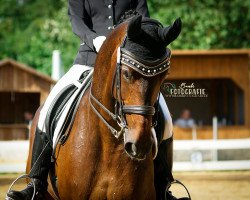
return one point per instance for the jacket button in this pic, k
(109, 6)
(110, 17)
(109, 28)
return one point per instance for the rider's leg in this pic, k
(41, 146)
(41, 161)
(164, 159)
(168, 124)
(163, 169)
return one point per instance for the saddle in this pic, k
(62, 111)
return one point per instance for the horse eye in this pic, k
(126, 75)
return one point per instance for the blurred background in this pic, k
(207, 90)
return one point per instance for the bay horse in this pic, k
(109, 151)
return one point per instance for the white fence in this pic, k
(13, 155)
(196, 162)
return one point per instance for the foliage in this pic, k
(207, 24)
(32, 29)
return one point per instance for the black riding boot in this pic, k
(163, 168)
(41, 161)
(163, 171)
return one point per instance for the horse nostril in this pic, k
(131, 148)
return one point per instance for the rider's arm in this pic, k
(142, 8)
(78, 18)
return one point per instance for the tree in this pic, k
(207, 24)
(32, 29)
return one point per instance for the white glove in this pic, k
(98, 42)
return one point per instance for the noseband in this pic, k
(145, 68)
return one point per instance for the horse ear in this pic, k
(170, 33)
(134, 27)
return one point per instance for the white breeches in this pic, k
(168, 131)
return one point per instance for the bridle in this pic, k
(145, 68)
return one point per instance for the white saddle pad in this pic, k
(71, 77)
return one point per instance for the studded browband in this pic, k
(144, 67)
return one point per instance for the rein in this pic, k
(145, 68)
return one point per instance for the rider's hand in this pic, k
(98, 42)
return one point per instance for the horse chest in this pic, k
(123, 180)
(117, 189)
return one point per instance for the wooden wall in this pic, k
(13, 105)
(14, 132)
(232, 64)
(15, 79)
(21, 89)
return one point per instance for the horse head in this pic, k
(136, 61)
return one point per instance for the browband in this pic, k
(144, 67)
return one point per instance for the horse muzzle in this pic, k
(137, 147)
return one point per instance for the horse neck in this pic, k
(104, 71)
(105, 68)
(102, 81)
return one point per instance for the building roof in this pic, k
(26, 68)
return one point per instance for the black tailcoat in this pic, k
(93, 18)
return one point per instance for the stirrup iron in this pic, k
(179, 183)
(17, 179)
